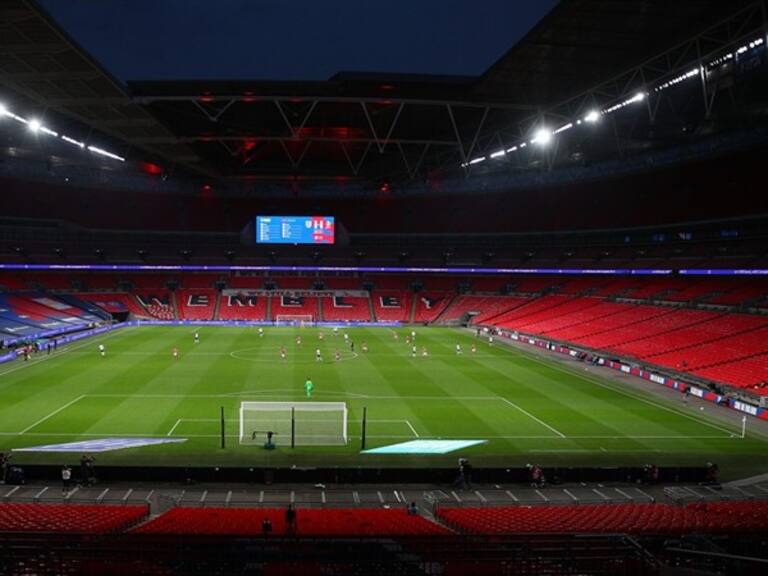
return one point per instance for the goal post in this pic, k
(294, 423)
(293, 320)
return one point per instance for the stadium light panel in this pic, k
(48, 131)
(102, 152)
(3, 110)
(477, 160)
(542, 137)
(499, 153)
(592, 116)
(34, 125)
(72, 141)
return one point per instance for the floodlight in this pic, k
(34, 125)
(3, 110)
(592, 117)
(542, 137)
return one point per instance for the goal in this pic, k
(294, 423)
(293, 320)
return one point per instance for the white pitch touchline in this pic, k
(619, 391)
(298, 392)
(174, 427)
(555, 430)
(67, 405)
(64, 350)
(412, 428)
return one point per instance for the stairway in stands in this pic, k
(217, 305)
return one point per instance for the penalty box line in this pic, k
(44, 418)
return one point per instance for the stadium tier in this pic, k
(196, 304)
(309, 522)
(237, 305)
(611, 519)
(346, 308)
(737, 517)
(69, 518)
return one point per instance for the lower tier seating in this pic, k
(309, 522)
(69, 518)
(606, 518)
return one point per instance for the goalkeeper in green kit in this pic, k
(308, 387)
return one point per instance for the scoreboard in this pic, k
(294, 230)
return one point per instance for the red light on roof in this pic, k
(387, 87)
(249, 97)
(151, 168)
(384, 188)
(206, 98)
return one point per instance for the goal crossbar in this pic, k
(294, 423)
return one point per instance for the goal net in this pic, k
(293, 319)
(294, 423)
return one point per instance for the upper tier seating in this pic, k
(331, 522)
(69, 518)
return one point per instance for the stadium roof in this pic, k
(372, 127)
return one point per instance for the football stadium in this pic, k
(321, 289)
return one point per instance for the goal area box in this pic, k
(294, 423)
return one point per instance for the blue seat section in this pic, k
(89, 309)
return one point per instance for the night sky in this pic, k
(294, 40)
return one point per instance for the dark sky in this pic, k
(294, 39)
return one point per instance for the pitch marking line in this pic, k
(532, 417)
(174, 427)
(593, 380)
(412, 428)
(64, 350)
(43, 419)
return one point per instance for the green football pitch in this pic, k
(524, 407)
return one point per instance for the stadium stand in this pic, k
(66, 518)
(430, 305)
(294, 306)
(196, 304)
(113, 302)
(329, 522)
(392, 305)
(620, 518)
(346, 308)
(240, 306)
(743, 373)
(158, 303)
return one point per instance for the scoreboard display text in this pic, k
(294, 230)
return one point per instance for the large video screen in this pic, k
(294, 230)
